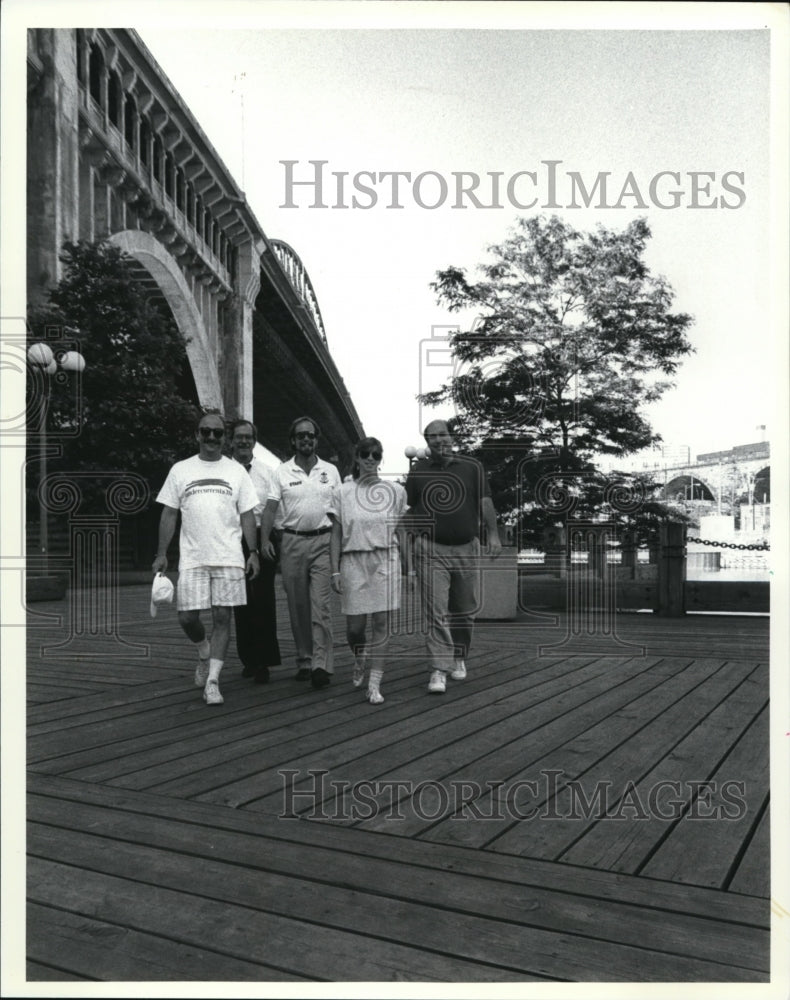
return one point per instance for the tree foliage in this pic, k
(135, 408)
(568, 337)
(571, 331)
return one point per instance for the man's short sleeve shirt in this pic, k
(211, 496)
(450, 497)
(261, 476)
(304, 498)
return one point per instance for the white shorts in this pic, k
(210, 586)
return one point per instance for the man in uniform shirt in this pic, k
(216, 499)
(302, 495)
(256, 621)
(451, 492)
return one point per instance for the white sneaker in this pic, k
(458, 672)
(375, 697)
(201, 673)
(211, 694)
(438, 682)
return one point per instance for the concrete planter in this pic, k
(499, 585)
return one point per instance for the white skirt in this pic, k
(370, 581)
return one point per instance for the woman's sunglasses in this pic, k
(370, 454)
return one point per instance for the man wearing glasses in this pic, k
(450, 492)
(256, 621)
(216, 499)
(302, 491)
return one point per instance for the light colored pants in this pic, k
(449, 578)
(304, 563)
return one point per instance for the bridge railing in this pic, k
(297, 275)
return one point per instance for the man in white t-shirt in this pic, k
(216, 498)
(300, 496)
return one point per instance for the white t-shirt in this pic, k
(304, 499)
(368, 514)
(211, 496)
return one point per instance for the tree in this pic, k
(136, 409)
(570, 335)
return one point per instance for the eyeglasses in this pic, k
(305, 434)
(212, 432)
(370, 454)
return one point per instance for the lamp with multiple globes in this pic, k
(42, 357)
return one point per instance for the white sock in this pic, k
(375, 678)
(214, 669)
(204, 648)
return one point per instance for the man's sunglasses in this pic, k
(212, 432)
(305, 434)
(371, 454)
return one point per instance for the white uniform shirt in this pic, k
(261, 476)
(304, 498)
(211, 496)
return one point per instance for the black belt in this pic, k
(307, 534)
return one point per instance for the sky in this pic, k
(444, 88)
(439, 89)
(487, 100)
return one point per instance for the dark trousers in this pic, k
(256, 622)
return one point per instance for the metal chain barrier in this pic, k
(763, 547)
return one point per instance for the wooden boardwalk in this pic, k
(583, 811)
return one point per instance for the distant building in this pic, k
(738, 453)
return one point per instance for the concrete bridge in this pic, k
(740, 475)
(114, 153)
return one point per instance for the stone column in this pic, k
(237, 382)
(52, 154)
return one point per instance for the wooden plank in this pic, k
(372, 916)
(43, 720)
(241, 931)
(404, 737)
(753, 874)
(35, 973)
(649, 893)
(237, 775)
(446, 744)
(623, 846)
(293, 709)
(116, 723)
(619, 751)
(521, 757)
(696, 853)
(568, 913)
(96, 949)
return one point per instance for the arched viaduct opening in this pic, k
(161, 275)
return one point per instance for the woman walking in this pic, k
(366, 558)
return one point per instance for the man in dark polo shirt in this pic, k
(448, 497)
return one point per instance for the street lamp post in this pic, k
(413, 454)
(41, 356)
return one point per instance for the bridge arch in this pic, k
(156, 260)
(687, 487)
